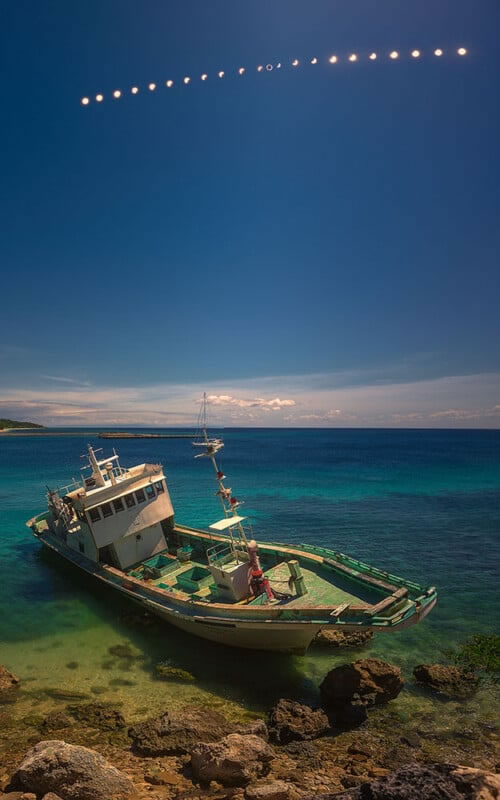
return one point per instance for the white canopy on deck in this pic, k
(228, 522)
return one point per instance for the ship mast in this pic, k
(212, 446)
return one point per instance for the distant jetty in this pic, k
(126, 435)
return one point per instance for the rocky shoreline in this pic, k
(354, 746)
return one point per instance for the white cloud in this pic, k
(228, 400)
(459, 401)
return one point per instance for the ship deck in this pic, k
(324, 588)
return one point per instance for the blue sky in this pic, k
(326, 236)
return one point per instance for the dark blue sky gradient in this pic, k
(302, 221)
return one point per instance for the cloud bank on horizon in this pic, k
(294, 401)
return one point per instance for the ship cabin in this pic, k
(115, 516)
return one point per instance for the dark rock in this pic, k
(369, 681)
(98, 689)
(98, 715)
(73, 772)
(433, 782)
(350, 715)
(8, 681)
(121, 682)
(305, 750)
(235, 760)
(332, 638)
(55, 722)
(72, 665)
(175, 733)
(166, 672)
(125, 651)
(449, 681)
(289, 721)
(412, 739)
(66, 694)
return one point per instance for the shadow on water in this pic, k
(254, 678)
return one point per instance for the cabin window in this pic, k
(106, 510)
(94, 514)
(140, 496)
(118, 505)
(150, 491)
(81, 547)
(159, 487)
(129, 500)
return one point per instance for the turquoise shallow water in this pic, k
(422, 504)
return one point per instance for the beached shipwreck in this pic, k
(118, 525)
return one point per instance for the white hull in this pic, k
(288, 637)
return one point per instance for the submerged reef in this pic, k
(358, 746)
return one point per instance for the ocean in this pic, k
(423, 504)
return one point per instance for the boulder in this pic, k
(332, 638)
(235, 760)
(276, 790)
(175, 733)
(368, 681)
(449, 681)
(8, 680)
(289, 721)
(98, 715)
(71, 771)
(51, 796)
(426, 782)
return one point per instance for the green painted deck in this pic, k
(321, 590)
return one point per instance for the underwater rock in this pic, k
(55, 721)
(72, 771)
(8, 680)
(122, 682)
(333, 638)
(289, 721)
(166, 672)
(432, 782)
(452, 682)
(125, 651)
(175, 733)
(66, 694)
(369, 681)
(235, 760)
(98, 715)
(72, 665)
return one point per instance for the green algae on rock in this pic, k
(451, 682)
(166, 672)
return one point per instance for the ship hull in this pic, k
(269, 628)
(287, 637)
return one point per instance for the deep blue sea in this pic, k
(421, 504)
